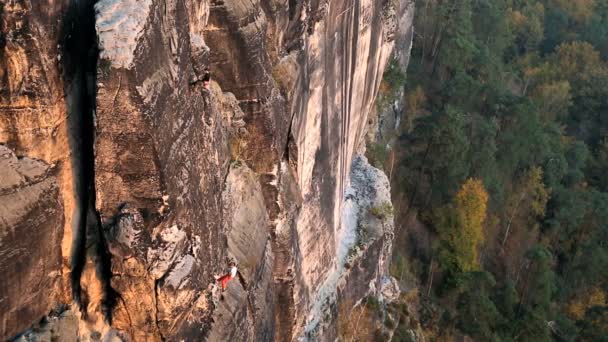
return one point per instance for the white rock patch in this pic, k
(162, 258)
(198, 42)
(128, 234)
(177, 276)
(119, 24)
(368, 187)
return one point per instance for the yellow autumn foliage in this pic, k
(577, 61)
(580, 10)
(517, 19)
(460, 226)
(471, 206)
(554, 99)
(578, 306)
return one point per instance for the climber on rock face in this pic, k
(223, 280)
(206, 78)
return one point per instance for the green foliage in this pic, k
(398, 267)
(540, 279)
(382, 211)
(441, 156)
(595, 325)
(393, 75)
(389, 323)
(393, 82)
(598, 166)
(477, 314)
(506, 301)
(515, 94)
(527, 23)
(374, 305)
(460, 230)
(377, 155)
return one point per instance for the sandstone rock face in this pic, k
(344, 59)
(156, 180)
(385, 122)
(36, 210)
(248, 302)
(363, 249)
(31, 228)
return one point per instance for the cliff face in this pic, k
(36, 202)
(30, 215)
(151, 181)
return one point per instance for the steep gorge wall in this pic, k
(37, 205)
(343, 62)
(254, 168)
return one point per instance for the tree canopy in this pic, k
(503, 156)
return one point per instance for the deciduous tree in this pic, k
(460, 227)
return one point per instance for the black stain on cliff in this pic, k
(79, 67)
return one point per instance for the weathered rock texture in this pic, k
(386, 120)
(362, 247)
(183, 177)
(344, 59)
(31, 228)
(36, 201)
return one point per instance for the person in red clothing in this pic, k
(206, 78)
(223, 280)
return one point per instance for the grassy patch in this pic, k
(382, 211)
(377, 154)
(398, 267)
(393, 81)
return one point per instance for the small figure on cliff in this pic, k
(223, 280)
(206, 78)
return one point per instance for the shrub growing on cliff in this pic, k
(377, 154)
(393, 81)
(398, 267)
(285, 76)
(237, 146)
(382, 211)
(355, 324)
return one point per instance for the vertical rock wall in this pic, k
(385, 121)
(254, 167)
(31, 228)
(161, 160)
(36, 201)
(343, 61)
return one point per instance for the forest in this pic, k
(499, 169)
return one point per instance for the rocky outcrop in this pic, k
(31, 228)
(249, 299)
(36, 201)
(160, 180)
(363, 250)
(385, 120)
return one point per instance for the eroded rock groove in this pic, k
(79, 65)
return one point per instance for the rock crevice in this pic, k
(79, 66)
(162, 179)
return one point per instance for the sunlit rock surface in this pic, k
(256, 167)
(363, 250)
(31, 228)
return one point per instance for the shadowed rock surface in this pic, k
(31, 222)
(255, 167)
